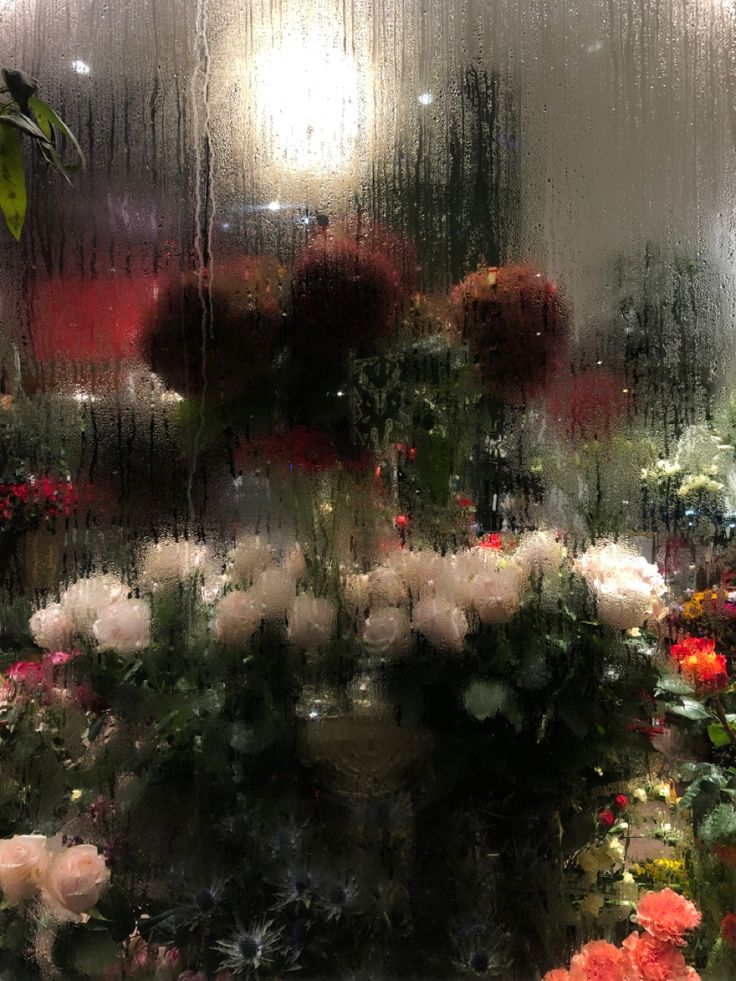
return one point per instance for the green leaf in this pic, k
(21, 86)
(13, 198)
(94, 952)
(719, 824)
(718, 735)
(690, 708)
(674, 684)
(25, 124)
(43, 111)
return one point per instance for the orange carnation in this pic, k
(666, 915)
(597, 961)
(648, 959)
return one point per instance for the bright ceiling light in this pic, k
(306, 101)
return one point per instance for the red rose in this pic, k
(606, 819)
(621, 802)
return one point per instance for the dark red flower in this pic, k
(606, 819)
(401, 521)
(621, 802)
(243, 297)
(516, 325)
(345, 297)
(728, 929)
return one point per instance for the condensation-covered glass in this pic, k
(367, 489)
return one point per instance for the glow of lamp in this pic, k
(306, 99)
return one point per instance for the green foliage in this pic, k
(718, 825)
(23, 113)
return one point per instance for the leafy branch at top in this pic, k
(23, 113)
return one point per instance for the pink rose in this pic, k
(666, 915)
(28, 673)
(75, 879)
(653, 960)
(23, 859)
(58, 658)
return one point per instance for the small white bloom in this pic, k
(52, 627)
(592, 904)
(311, 622)
(443, 624)
(124, 626)
(387, 631)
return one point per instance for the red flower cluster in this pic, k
(25, 678)
(492, 540)
(300, 448)
(649, 956)
(697, 660)
(42, 497)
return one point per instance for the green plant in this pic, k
(23, 113)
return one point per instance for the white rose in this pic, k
(23, 860)
(311, 622)
(251, 556)
(453, 579)
(540, 553)
(237, 618)
(627, 588)
(52, 627)
(385, 588)
(442, 623)
(275, 591)
(84, 599)
(75, 879)
(124, 627)
(622, 605)
(418, 570)
(169, 561)
(387, 631)
(496, 593)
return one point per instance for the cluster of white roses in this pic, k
(449, 594)
(70, 881)
(97, 608)
(441, 597)
(628, 589)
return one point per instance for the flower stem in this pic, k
(721, 713)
